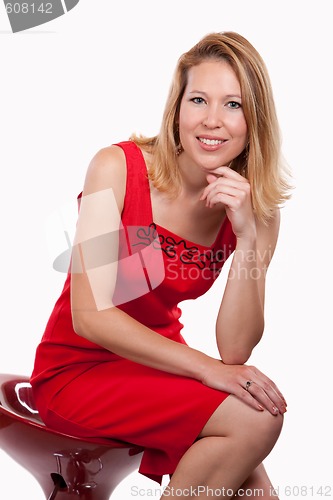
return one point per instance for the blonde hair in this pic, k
(261, 161)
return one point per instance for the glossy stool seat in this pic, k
(64, 466)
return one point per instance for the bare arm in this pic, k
(97, 319)
(240, 322)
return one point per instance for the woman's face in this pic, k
(212, 127)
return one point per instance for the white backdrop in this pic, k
(91, 78)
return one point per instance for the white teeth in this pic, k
(210, 142)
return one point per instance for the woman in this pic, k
(113, 343)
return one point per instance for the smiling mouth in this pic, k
(211, 142)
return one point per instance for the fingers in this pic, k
(248, 384)
(234, 186)
(267, 398)
(265, 392)
(228, 173)
(247, 398)
(231, 195)
(269, 384)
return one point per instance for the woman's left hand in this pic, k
(232, 190)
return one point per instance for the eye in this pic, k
(198, 100)
(234, 105)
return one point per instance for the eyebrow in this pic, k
(228, 96)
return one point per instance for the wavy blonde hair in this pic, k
(261, 161)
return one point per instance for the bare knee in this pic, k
(234, 418)
(265, 429)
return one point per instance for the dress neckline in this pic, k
(192, 243)
(174, 235)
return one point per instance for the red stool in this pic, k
(64, 466)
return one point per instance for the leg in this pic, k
(257, 486)
(230, 447)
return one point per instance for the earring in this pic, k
(179, 150)
(247, 151)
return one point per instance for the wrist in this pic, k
(248, 236)
(248, 241)
(201, 365)
(208, 375)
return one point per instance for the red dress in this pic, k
(88, 391)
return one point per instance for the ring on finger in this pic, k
(248, 385)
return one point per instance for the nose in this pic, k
(213, 117)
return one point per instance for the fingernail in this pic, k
(275, 409)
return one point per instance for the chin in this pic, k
(212, 163)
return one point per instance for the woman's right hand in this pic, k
(248, 384)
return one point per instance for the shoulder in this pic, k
(107, 169)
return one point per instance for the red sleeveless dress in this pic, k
(88, 391)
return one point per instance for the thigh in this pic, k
(158, 411)
(138, 404)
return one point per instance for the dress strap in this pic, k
(137, 209)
